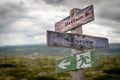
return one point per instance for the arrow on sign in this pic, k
(77, 41)
(63, 64)
(84, 60)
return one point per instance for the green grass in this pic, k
(108, 69)
(43, 68)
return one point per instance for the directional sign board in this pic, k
(84, 60)
(76, 41)
(83, 16)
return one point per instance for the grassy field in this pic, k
(22, 67)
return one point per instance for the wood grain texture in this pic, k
(78, 74)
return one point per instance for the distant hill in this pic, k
(30, 49)
(114, 49)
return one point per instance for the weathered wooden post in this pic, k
(76, 74)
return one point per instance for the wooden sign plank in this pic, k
(84, 60)
(83, 16)
(76, 41)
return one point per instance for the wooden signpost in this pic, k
(80, 17)
(77, 41)
(80, 73)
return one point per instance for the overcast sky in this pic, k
(26, 21)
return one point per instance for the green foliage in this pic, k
(45, 78)
(114, 70)
(107, 77)
(108, 69)
(110, 74)
(43, 68)
(7, 65)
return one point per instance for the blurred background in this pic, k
(24, 54)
